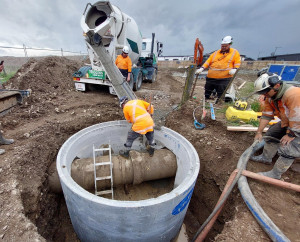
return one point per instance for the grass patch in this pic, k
(238, 122)
(246, 90)
(255, 106)
(5, 78)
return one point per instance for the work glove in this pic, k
(198, 71)
(232, 71)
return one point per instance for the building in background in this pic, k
(287, 57)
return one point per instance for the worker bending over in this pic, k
(138, 112)
(222, 65)
(123, 62)
(282, 100)
(4, 141)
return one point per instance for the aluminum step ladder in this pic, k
(116, 78)
(102, 178)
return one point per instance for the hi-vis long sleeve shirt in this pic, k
(138, 113)
(220, 64)
(287, 108)
(123, 63)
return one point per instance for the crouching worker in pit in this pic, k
(282, 100)
(138, 112)
(123, 62)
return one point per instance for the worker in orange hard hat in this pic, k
(222, 65)
(123, 62)
(138, 112)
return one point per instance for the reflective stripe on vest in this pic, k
(144, 130)
(134, 105)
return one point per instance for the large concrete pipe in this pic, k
(139, 168)
(100, 219)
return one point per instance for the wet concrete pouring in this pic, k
(55, 111)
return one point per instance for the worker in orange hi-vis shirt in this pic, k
(138, 112)
(222, 65)
(123, 62)
(281, 100)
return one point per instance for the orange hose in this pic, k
(207, 228)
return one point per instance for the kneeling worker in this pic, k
(282, 100)
(138, 112)
(123, 62)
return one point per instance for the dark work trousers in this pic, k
(275, 131)
(133, 135)
(218, 84)
(290, 151)
(124, 72)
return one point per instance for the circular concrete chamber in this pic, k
(100, 219)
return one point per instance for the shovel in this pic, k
(196, 123)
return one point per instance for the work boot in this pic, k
(4, 141)
(2, 151)
(270, 150)
(150, 151)
(282, 165)
(124, 153)
(262, 159)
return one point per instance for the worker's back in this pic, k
(136, 112)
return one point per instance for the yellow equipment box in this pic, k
(245, 115)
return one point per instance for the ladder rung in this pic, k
(103, 178)
(102, 163)
(104, 192)
(102, 149)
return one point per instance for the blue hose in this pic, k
(262, 218)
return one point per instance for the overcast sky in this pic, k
(257, 26)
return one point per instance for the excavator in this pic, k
(10, 97)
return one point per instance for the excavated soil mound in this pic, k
(55, 111)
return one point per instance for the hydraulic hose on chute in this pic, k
(262, 218)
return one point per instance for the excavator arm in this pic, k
(198, 52)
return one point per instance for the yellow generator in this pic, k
(245, 115)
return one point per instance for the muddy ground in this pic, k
(55, 111)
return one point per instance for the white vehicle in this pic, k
(104, 25)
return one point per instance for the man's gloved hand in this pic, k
(232, 71)
(198, 71)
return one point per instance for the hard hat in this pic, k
(227, 40)
(265, 82)
(123, 100)
(126, 49)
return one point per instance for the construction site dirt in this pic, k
(55, 111)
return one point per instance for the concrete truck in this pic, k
(107, 30)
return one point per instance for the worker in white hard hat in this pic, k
(222, 65)
(281, 100)
(138, 112)
(123, 62)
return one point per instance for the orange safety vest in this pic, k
(220, 64)
(123, 63)
(138, 113)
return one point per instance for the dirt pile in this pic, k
(55, 111)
